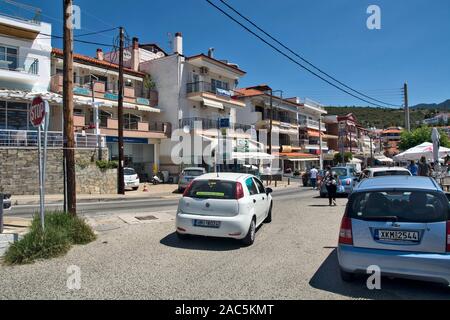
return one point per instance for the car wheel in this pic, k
(182, 236)
(250, 237)
(269, 215)
(347, 276)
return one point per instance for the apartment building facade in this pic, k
(96, 109)
(296, 130)
(390, 139)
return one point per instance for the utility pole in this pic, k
(121, 182)
(320, 143)
(69, 138)
(407, 119)
(270, 121)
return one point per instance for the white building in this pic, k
(196, 90)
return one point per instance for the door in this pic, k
(412, 221)
(264, 198)
(255, 199)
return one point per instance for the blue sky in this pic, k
(413, 43)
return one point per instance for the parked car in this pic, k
(231, 205)
(384, 171)
(131, 178)
(187, 175)
(348, 178)
(400, 224)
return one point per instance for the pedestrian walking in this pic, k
(313, 177)
(413, 168)
(331, 183)
(424, 168)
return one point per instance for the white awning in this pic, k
(303, 159)
(212, 104)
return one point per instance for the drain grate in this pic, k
(147, 218)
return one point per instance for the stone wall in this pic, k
(19, 172)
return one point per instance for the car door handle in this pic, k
(254, 200)
(263, 198)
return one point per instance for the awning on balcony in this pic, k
(29, 96)
(252, 156)
(212, 103)
(110, 104)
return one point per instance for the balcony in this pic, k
(311, 124)
(29, 139)
(202, 91)
(207, 124)
(136, 129)
(15, 69)
(105, 90)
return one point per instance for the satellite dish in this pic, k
(127, 55)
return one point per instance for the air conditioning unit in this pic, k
(204, 70)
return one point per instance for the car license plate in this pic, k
(207, 224)
(397, 235)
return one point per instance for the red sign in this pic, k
(37, 111)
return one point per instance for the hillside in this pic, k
(444, 106)
(381, 117)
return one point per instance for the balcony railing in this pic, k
(29, 139)
(210, 124)
(15, 63)
(142, 126)
(202, 86)
(309, 123)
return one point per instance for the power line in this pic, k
(290, 58)
(76, 40)
(95, 32)
(302, 58)
(296, 54)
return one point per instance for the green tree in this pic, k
(419, 136)
(348, 156)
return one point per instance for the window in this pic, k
(260, 186)
(217, 84)
(8, 57)
(129, 83)
(391, 173)
(406, 206)
(2, 115)
(103, 118)
(212, 189)
(131, 121)
(17, 116)
(251, 186)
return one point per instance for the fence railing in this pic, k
(211, 124)
(16, 63)
(55, 139)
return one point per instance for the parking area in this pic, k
(138, 256)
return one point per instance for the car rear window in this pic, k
(129, 172)
(340, 172)
(212, 189)
(193, 173)
(402, 206)
(391, 173)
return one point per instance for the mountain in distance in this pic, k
(439, 106)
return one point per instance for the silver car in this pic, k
(187, 175)
(400, 224)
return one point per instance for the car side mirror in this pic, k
(269, 191)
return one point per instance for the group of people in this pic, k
(422, 169)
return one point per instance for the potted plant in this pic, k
(150, 87)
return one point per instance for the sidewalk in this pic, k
(162, 191)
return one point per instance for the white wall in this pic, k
(40, 49)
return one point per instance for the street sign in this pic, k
(38, 109)
(39, 117)
(224, 123)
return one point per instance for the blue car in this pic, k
(400, 224)
(348, 179)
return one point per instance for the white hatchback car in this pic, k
(385, 171)
(228, 205)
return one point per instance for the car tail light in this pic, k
(239, 191)
(188, 189)
(448, 236)
(345, 234)
(348, 182)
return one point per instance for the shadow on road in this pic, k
(327, 278)
(201, 243)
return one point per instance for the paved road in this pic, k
(293, 258)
